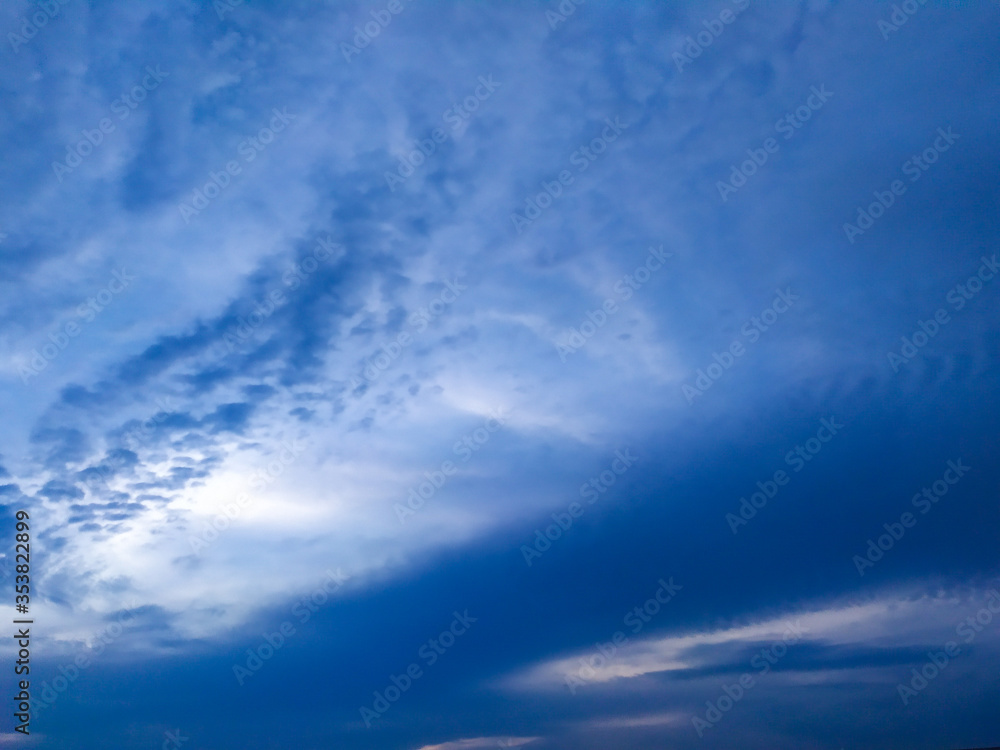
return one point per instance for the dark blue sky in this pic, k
(451, 375)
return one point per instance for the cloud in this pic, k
(841, 635)
(481, 743)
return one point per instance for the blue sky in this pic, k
(468, 375)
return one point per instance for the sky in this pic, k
(424, 375)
